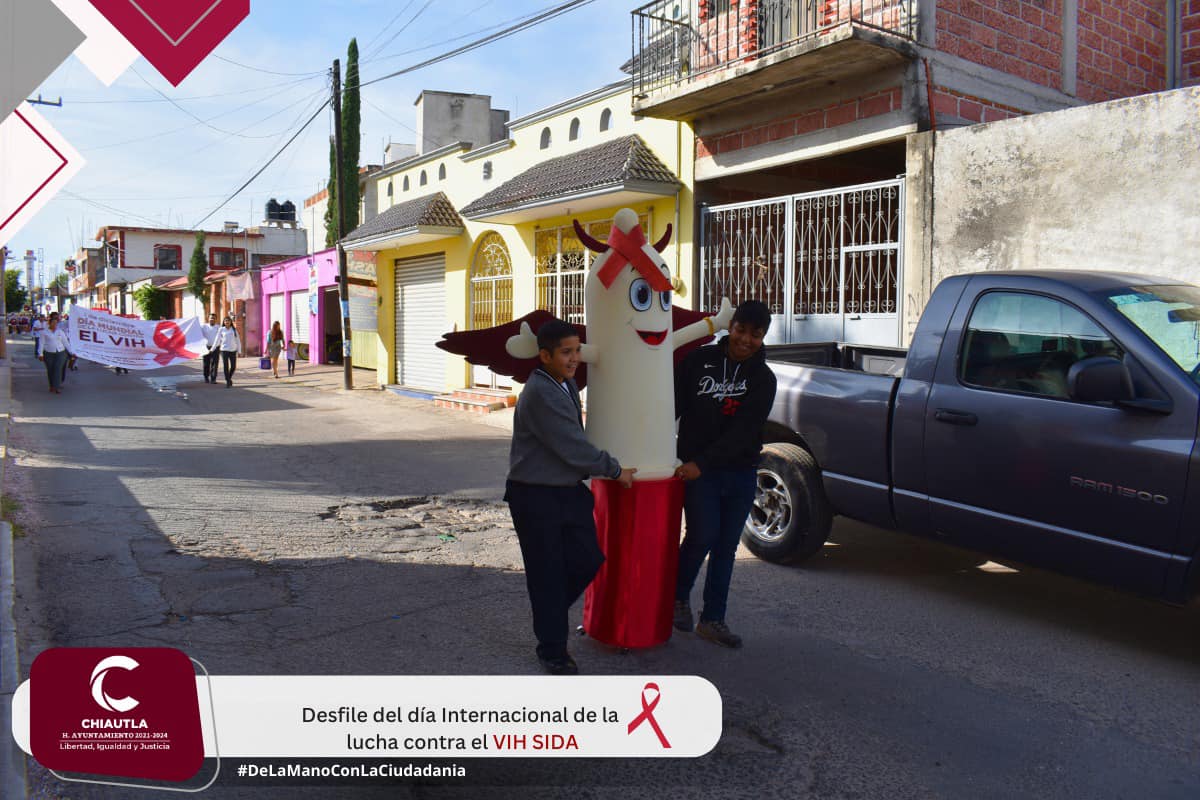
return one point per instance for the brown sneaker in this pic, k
(718, 633)
(683, 617)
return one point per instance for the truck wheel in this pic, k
(791, 517)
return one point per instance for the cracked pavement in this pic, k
(277, 529)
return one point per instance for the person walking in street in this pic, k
(65, 324)
(291, 358)
(723, 393)
(213, 354)
(275, 346)
(35, 328)
(54, 353)
(229, 344)
(550, 505)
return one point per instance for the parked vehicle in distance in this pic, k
(1048, 417)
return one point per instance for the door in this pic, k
(278, 314)
(491, 299)
(420, 322)
(869, 293)
(1017, 466)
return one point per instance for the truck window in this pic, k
(1020, 342)
(1169, 315)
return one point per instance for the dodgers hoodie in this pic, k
(722, 405)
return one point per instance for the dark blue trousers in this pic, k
(715, 506)
(557, 535)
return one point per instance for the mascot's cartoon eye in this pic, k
(641, 296)
(664, 299)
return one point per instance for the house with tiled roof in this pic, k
(474, 224)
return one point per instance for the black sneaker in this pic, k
(560, 665)
(684, 621)
(718, 632)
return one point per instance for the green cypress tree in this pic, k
(351, 119)
(198, 269)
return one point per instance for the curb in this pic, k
(12, 759)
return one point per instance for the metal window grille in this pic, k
(491, 283)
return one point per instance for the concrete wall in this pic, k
(1108, 186)
(447, 117)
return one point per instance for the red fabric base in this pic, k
(631, 601)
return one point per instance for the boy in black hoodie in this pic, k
(723, 393)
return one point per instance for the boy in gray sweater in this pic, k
(551, 506)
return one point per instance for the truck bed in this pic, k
(860, 358)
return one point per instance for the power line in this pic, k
(164, 99)
(403, 27)
(267, 71)
(390, 23)
(503, 34)
(264, 166)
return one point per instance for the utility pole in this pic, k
(338, 182)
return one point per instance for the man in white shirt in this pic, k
(36, 328)
(213, 355)
(54, 353)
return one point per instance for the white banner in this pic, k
(134, 343)
(663, 716)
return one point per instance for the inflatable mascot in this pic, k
(632, 338)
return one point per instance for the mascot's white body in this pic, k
(630, 349)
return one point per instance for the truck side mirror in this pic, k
(1100, 379)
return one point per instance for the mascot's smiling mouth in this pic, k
(653, 337)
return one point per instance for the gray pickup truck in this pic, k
(1048, 417)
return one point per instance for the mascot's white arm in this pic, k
(705, 327)
(524, 345)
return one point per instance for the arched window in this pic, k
(442, 172)
(574, 134)
(389, 192)
(424, 178)
(405, 185)
(545, 138)
(605, 119)
(487, 170)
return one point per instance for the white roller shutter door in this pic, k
(300, 317)
(277, 313)
(420, 322)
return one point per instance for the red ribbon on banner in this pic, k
(626, 248)
(170, 337)
(647, 714)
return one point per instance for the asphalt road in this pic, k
(277, 529)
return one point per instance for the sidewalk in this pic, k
(12, 760)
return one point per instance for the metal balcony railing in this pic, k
(678, 41)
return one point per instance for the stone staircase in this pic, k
(476, 400)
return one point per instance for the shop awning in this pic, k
(622, 172)
(423, 219)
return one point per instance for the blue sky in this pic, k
(150, 162)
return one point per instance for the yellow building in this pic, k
(469, 236)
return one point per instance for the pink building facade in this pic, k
(301, 294)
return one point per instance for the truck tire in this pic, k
(791, 517)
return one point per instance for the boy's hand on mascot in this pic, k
(524, 344)
(688, 472)
(626, 478)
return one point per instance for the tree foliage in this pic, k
(198, 269)
(152, 302)
(351, 126)
(14, 293)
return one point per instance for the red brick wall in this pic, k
(1019, 37)
(839, 113)
(1190, 30)
(1122, 48)
(947, 102)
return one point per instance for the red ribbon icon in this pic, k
(169, 337)
(626, 248)
(647, 714)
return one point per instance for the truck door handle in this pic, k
(955, 417)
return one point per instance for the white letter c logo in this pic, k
(121, 704)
